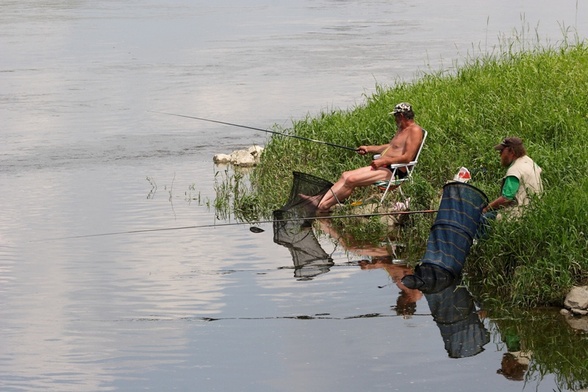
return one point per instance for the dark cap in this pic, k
(508, 142)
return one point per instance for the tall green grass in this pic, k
(538, 94)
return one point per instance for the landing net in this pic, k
(294, 231)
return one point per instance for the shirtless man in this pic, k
(402, 149)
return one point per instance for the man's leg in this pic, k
(350, 180)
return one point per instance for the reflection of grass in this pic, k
(153, 190)
(366, 231)
(234, 196)
(554, 347)
(190, 195)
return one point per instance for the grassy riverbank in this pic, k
(537, 94)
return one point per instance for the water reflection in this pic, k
(309, 258)
(387, 256)
(458, 319)
(514, 365)
(452, 306)
(293, 226)
(406, 302)
(539, 343)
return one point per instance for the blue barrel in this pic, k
(455, 227)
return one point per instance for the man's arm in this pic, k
(362, 150)
(495, 204)
(509, 190)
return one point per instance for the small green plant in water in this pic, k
(234, 197)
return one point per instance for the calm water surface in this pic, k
(214, 309)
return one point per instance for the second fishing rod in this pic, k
(260, 130)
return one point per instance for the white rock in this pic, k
(577, 298)
(242, 158)
(221, 158)
(575, 322)
(245, 158)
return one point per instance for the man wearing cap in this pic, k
(522, 179)
(403, 148)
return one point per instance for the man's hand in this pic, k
(362, 150)
(377, 163)
(498, 203)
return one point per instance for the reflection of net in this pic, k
(454, 312)
(455, 227)
(295, 233)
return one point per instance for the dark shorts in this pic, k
(399, 173)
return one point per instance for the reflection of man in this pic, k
(407, 298)
(516, 361)
(381, 257)
(514, 365)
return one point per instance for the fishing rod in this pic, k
(259, 129)
(253, 229)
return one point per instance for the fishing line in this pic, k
(253, 229)
(319, 316)
(259, 129)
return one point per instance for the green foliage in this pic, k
(364, 231)
(538, 94)
(535, 260)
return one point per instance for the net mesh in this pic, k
(306, 193)
(294, 231)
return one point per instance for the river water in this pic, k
(83, 153)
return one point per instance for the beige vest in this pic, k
(529, 175)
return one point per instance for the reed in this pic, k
(235, 197)
(535, 92)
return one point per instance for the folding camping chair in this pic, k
(394, 182)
